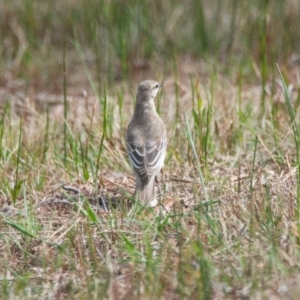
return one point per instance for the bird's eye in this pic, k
(156, 86)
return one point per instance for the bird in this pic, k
(146, 142)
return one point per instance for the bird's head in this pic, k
(148, 89)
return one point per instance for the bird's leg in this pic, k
(156, 180)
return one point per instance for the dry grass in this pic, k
(235, 240)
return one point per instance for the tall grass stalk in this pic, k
(252, 214)
(233, 27)
(200, 28)
(17, 183)
(198, 114)
(46, 138)
(175, 68)
(104, 103)
(65, 103)
(263, 57)
(99, 157)
(190, 139)
(296, 133)
(2, 129)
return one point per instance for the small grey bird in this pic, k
(146, 141)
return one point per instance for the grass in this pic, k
(227, 226)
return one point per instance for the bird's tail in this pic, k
(145, 192)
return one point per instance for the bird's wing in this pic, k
(148, 158)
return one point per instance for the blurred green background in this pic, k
(116, 37)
